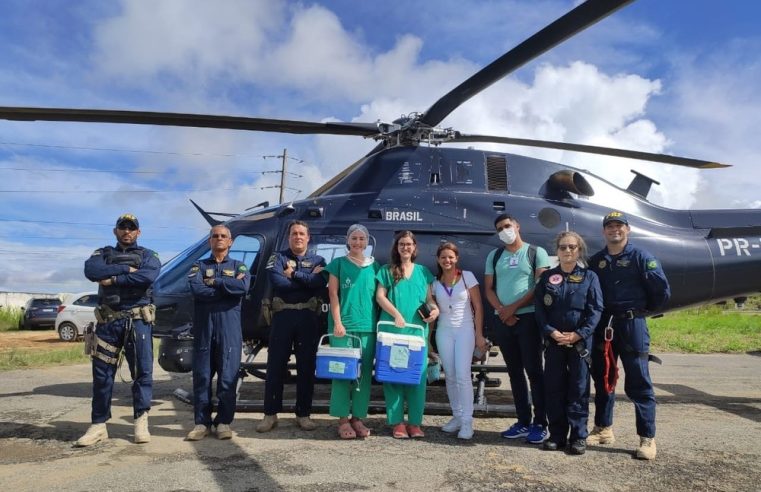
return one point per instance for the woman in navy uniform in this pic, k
(568, 307)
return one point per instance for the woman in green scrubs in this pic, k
(403, 286)
(353, 311)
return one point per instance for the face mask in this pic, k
(507, 235)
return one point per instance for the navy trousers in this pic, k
(292, 330)
(138, 351)
(631, 342)
(521, 346)
(566, 383)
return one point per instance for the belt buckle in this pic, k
(629, 314)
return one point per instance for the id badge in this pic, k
(513, 263)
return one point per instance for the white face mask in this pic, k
(507, 235)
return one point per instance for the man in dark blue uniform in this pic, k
(218, 284)
(297, 283)
(125, 320)
(633, 284)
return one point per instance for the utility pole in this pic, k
(282, 174)
(283, 171)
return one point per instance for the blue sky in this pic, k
(678, 76)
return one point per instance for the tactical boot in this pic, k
(578, 446)
(95, 433)
(224, 431)
(646, 449)
(141, 429)
(199, 432)
(268, 423)
(601, 435)
(306, 423)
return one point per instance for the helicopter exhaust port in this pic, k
(570, 181)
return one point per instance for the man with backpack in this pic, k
(511, 274)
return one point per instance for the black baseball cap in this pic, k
(615, 216)
(127, 218)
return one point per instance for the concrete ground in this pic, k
(709, 438)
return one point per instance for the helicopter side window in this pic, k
(246, 249)
(334, 246)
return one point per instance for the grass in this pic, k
(26, 358)
(9, 318)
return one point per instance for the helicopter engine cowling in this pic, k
(570, 181)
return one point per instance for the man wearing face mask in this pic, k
(510, 276)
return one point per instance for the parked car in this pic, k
(76, 312)
(39, 312)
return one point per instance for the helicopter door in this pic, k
(246, 248)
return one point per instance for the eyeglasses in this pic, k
(220, 236)
(127, 227)
(406, 245)
(568, 247)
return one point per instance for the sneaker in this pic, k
(141, 429)
(601, 435)
(578, 446)
(452, 426)
(224, 431)
(537, 434)
(95, 433)
(306, 423)
(466, 431)
(516, 431)
(646, 449)
(199, 432)
(268, 423)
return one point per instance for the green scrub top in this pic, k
(408, 294)
(356, 292)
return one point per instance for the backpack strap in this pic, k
(530, 256)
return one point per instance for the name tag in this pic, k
(513, 263)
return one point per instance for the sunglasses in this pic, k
(220, 236)
(568, 247)
(127, 228)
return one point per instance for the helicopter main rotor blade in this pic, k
(571, 23)
(185, 119)
(592, 149)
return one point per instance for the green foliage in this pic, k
(9, 318)
(26, 358)
(708, 329)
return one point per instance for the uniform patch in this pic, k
(575, 278)
(306, 264)
(602, 264)
(556, 279)
(97, 252)
(242, 268)
(193, 270)
(228, 273)
(155, 254)
(652, 264)
(547, 300)
(209, 273)
(623, 263)
(271, 261)
(291, 264)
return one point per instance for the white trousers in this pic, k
(456, 351)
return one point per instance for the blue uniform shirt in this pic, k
(115, 262)
(303, 284)
(632, 280)
(568, 302)
(227, 289)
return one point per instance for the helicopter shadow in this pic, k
(747, 408)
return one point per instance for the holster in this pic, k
(91, 340)
(104, 314)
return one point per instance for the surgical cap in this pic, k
(357, 227)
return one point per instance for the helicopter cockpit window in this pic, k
(334, 246)
(173, 278)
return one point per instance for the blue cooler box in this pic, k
(399, 358)
(338, 362)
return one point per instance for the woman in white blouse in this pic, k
(459, 329)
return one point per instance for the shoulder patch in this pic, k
(271, 261)
(155, 254)
(97, 252)
(193, 270)
(652, 264)
(242, 268)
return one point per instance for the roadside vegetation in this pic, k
(9, 318)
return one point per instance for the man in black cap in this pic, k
(633, 285)
(125, 320)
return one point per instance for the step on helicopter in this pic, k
(412, 180)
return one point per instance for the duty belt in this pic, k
(629, 314)
(105, 314)
(278, 305)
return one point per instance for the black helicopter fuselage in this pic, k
(448, 194)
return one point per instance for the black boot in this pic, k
(550, 445)
(578, 446)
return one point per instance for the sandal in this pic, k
(415, 432)
(400, 431)
(360, 428)
(345, 431)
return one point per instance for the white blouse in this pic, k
(455, 311)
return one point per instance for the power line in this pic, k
(130, 151)
(146, 191)
(119, 171)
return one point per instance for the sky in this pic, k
(678, 77)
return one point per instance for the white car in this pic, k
(74, 314)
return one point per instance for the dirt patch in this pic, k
(31, 340)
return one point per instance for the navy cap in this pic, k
(615, 216)
(127, 218)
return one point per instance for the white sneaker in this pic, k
(95, 433)
(224, 431)
(452, 426)
(466, 431)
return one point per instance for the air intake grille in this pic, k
(496, 173)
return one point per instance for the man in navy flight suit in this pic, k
(297, 281)
(124, 274)
(218, 284)
(633, 283)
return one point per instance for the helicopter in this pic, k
(412, 180)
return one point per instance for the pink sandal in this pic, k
(345, 431)
(360, 428)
